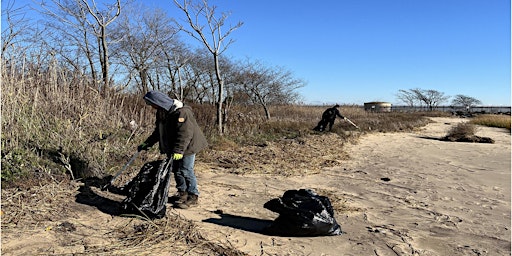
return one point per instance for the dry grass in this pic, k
(54, 122)
(462, 130)
(286, 156)
(47, 206)
(465, 132)
(173, 235)
(500, 121)
(287, 145)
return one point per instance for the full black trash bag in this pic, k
(302, 213)
(148, 191)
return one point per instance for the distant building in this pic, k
(377, 106)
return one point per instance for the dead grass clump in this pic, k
(461, 130)
(172, 234)
(465, 132)
(25, 208)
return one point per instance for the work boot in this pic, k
(191, 201)
(179, 197)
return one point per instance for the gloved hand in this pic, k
(177, 156)
(142, 146)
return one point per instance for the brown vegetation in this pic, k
(500, 121)
(465, 132)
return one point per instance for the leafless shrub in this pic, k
(465, 132)
(462, 130)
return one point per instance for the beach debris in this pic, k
(302, 213)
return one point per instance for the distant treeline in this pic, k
(475, 109)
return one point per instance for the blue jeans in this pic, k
(184, 174)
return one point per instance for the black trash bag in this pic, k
(302, 213)
(148, 191)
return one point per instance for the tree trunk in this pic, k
(220, 83)
(104, 63)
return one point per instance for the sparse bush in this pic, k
(465, 132)
(462, 130)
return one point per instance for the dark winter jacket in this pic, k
(176, 129)
(331, 113)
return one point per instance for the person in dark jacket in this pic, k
(328, 118)
(180, 138)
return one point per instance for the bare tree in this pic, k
(407, 97)
(200, 74)
(176, 56)
(76, 35)
(266, 85)
(69, 36)
(465, 101)
(15, 30)
(103, 18)
(146, 42)
(206, 27)
(431, 98)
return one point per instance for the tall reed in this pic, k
(52, 114)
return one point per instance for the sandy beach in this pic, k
(412, 194)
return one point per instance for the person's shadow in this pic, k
(240, 222)
(88, 197)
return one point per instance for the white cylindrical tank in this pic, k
(377, 106)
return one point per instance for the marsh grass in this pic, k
(499, 121)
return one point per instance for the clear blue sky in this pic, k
(355, 51)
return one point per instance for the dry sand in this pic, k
(441, 198)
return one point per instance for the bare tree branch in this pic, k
(214, 43)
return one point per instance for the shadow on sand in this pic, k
(430, 138)
(470, 139)
(88, 197)
(240, 222)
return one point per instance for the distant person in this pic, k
(328, 118)
(180, 138)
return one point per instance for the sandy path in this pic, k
(443, 198)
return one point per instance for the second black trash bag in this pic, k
(302, 213)
(148, 191)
